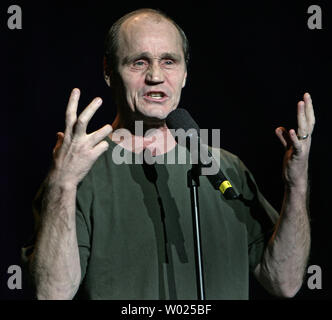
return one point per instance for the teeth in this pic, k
(156, 95)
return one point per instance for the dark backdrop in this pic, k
(250, 64)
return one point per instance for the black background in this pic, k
(250, 64)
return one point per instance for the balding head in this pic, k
(136, 18)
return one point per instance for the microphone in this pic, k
(181, 119)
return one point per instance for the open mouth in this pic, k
(155, 95)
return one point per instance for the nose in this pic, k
(154, 74)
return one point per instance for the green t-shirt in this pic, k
(135, 233)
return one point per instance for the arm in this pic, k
(285, 258)
(55, 263)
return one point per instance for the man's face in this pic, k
(151, 66)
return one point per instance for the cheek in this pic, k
(176, 83)
(132, 82)
(132, 88)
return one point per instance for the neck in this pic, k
(153, 135)
(125, 122)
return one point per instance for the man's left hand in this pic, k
(297, 145)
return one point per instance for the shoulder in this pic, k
(228, 160)
(233, 168)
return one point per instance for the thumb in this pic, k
(60, 137)
(283, 136)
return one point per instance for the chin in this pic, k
(157, 112)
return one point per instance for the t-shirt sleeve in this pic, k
(262, 217)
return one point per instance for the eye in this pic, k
(139, 64)
(168, 62)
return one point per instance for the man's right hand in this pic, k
(76, 151)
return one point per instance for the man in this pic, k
(109, 231)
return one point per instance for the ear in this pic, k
(107, 76)
(184, 80)
(107, 79)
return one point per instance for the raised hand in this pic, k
(76, 151)
(298, 144)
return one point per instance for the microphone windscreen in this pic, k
(181, 119)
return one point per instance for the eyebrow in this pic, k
(147, 56)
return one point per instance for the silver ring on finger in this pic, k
(303, 137)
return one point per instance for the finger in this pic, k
(99, 149)
(295, 141)
(59, 141)
(60, 137)
(309, 111)
(97, 136)
(71, 111)
(301, 119)
(282, 135)
(85, 116)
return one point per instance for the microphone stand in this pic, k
(193, 183)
